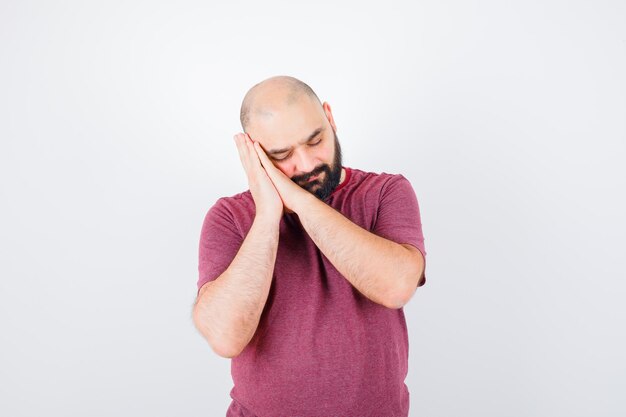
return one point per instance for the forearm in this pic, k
(228, 312)
(377, 267)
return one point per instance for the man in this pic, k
(302, 278)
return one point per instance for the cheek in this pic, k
(328, 155)
(286, 168)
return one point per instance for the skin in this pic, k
(282, 122)
(228, 309)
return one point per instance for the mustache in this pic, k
(316, 171)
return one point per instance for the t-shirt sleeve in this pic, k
(398, 216)
(220, 241)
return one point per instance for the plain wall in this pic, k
(508, 118)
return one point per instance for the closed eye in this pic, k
(281, 159)
(286, 157)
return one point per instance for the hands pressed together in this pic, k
(271, 189)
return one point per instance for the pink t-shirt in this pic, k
(321, 347)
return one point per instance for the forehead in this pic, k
(286, 125)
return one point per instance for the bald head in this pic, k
(271, 95)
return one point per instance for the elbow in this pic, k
(398, 301)
(223, 350)
(397, 305)
(404, 293)
(411, 273)
(226, 354)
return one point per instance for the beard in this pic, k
(330, 180)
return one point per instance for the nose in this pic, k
(305, 164)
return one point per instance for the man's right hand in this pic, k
(266, 198)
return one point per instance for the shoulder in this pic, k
(236, 202)
(377, 182)
(237, 209)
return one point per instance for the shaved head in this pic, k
(273, 94)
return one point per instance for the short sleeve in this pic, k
(398, 218)
(220, 241)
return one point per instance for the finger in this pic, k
(243, 152)
(265, 161)
(268, 165)
(254, 156)
(256, 167)
(238, 145)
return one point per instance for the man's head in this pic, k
(297, 132)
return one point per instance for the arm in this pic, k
(384, 271)
(227, 310)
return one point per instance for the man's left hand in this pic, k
(291, 193)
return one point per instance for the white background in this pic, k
(508, 118)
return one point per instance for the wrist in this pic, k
(270, 219)
(303, 202)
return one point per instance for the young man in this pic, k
(303, 276)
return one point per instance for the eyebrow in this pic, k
(311, 136)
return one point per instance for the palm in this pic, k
(266, 197)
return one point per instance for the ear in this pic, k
(329, 115)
